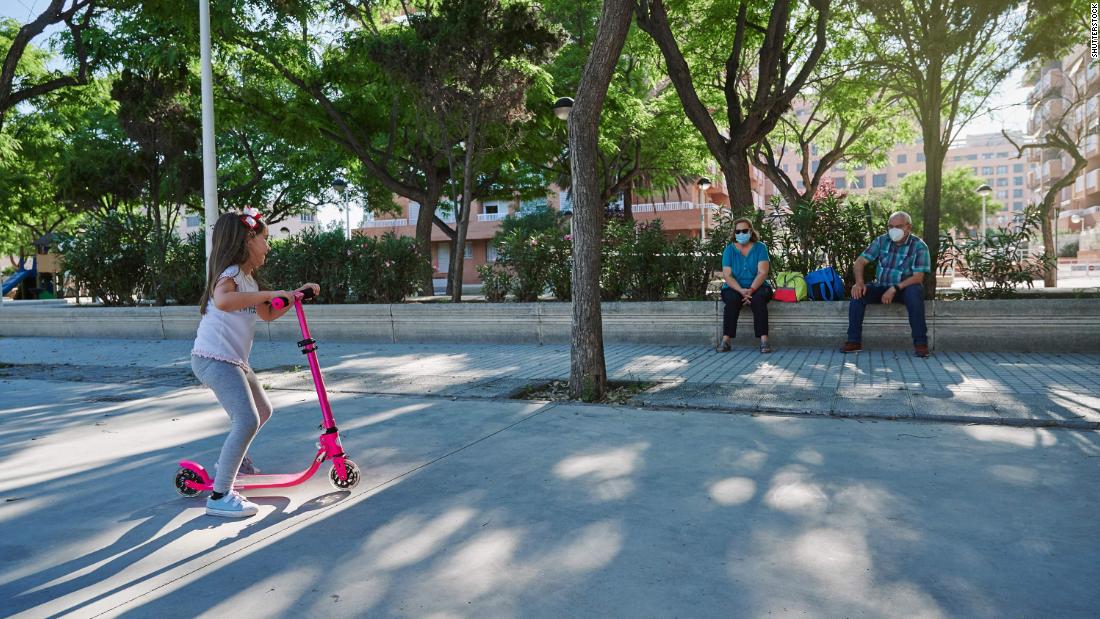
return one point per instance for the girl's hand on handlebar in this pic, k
(286, 294)
(315, 287)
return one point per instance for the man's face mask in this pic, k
(897, 234)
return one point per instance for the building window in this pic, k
(985, 156)
(1002, 155)
(903, 158)
(1017, 193)
(469, 253)
(193, 221)
(491, 252)
(307, 218)
(1017, 168)
(972, 157)
(878, 180)
(920, 157)
(565, 202)
(1017, 206)
(1002, 194)
(534, 204)
(1002, 182)
(987, 170)
(840, 182)
(859, 183)
(901, 175)
(1017, 180)
(1002, 169)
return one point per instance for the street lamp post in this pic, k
(704, 185)
(984, 191)
(341, 187)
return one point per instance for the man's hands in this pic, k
(888, 296)
(860, 289)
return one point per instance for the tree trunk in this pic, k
(739, 184)
(587, 368)
(1050, 274)
(933, 188)
(424, 242)
(628, 201)
(462, 222)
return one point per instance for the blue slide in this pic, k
(11, 282)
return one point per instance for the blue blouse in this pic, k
(744, 268)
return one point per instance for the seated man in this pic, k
(902, 262)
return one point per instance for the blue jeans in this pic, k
(911, 296)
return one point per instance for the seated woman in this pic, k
(745, 266)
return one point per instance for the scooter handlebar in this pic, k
(281, 302)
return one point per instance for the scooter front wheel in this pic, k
(182, 477)
(352, 478)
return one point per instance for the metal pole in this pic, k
(347, 216)
(983, 217)
(209, 157)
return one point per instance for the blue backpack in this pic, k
(825, 285)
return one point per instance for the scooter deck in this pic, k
(245, 482)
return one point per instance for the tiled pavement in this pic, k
(999, 388)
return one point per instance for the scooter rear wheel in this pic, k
(182, 477)
(344, 484)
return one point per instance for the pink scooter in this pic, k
(192, 478)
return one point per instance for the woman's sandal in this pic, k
(725, 346)
(765, 348)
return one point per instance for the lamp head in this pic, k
(562, 107)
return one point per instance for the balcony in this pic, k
(491, 216)
(385, 223)
(662, 207)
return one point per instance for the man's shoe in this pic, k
(920, 350)
(232, 505)
(851, 347)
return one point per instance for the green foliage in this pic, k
(830, 231)
(1069, 250)
(109, 257)
(1000, 262)
(376, 270)
(386, 269)
(961, 206)
(312, 256)
(691, 268)
(618, 236)
(495, 282)
(184, 275)
(648, 263)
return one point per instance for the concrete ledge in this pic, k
(1034, 325)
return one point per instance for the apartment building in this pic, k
(989, 156)
(687, 209)
(1056, 86)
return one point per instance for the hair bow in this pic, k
(251, 218)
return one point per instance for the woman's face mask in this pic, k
(742, 237)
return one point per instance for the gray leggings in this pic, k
(240, 394)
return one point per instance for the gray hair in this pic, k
(903, 214)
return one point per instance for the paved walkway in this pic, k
(472, 507)
(987, 388)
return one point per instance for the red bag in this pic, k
(786, 295)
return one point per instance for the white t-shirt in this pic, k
(227, 336)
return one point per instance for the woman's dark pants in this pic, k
(759, 305)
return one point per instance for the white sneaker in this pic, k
(232, 505)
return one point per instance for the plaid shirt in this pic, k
(897, 262)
